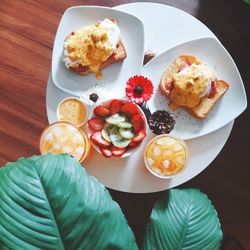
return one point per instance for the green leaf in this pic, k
(50, 202)
(183, 219)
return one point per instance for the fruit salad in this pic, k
(117, 127)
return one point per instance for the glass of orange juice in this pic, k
(72, 110)
(165, 156)
(64, 137)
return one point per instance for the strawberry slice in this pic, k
(137, 122)
(101, 111)
(129, 109)
(97, 138)
(96, 123)
(133, 144)
(139, 136)
(106, 152)
(115, 106)
(117, 152)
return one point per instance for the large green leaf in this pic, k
(50, 202)
(183, 219)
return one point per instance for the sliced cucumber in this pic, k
(115, 119)
(126, 133)
(124, 125)
(117, 139)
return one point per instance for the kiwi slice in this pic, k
(117, 139)
(126, 133)
(124, 125)
(105, 131)
(115, 119)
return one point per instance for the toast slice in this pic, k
(206, 104)
(119, 54)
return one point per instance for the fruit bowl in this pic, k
(116, 128)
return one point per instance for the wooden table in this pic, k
(27, 31)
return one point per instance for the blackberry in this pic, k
(93, 97)
(161, 122)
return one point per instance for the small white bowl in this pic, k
(131, 150)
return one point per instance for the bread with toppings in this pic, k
(191, 84)
(92, 48)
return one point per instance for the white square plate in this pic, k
(232, 104)
(115, 75)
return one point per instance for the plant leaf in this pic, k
(183, 219)
(50, 202)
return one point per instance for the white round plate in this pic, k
(117, 73)
(209, 51)
(130, 174)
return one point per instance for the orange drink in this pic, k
(166, 155)
(72, 110)
(64, 137)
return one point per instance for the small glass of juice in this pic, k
(72, 110)
(165, 156)
(64, 137)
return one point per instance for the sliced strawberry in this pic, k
(115, 106)
(106, 152)
(139, 136)
(96, 123)
(213, 89)
(117, 152)
(133, 144)
(137, 122)
(129, 109)
(97, 138)
(101, 111)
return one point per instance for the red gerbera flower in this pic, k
(139, 89)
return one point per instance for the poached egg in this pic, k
(191, 84)
(91, 45)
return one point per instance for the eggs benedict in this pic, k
(91, 48)
(191, 84)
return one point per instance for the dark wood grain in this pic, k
(27, 30)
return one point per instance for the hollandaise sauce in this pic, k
(191, 84)
(92, 45)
